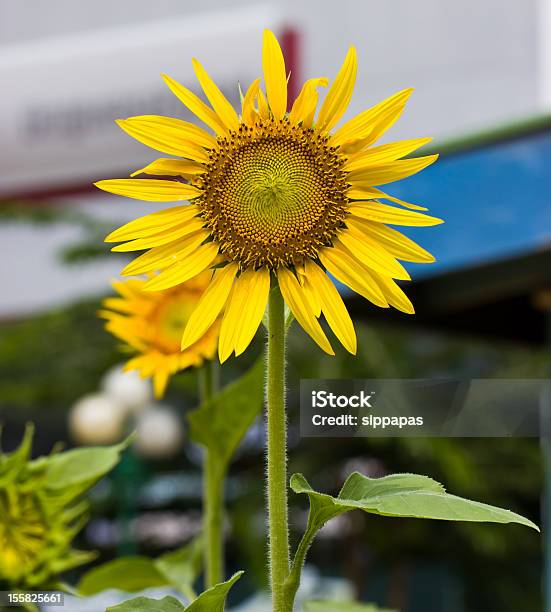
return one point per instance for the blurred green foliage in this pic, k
(49, 361)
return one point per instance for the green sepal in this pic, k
(83, 465)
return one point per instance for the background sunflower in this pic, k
(151, 324)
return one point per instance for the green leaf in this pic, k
(212, 600)
(341, 606)
(182, 567)
(147, 604)
(220, 423)
(82, 465)
(407, 495)
(130, 574)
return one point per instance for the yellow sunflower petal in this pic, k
(223, 108)
(172, 167)
(189, 358)
(160, 381)
(332, 306)
(372, 193)
(349, 271)
(150, 190)
(249, 113)
(373, 122)
(263, 109)
(127, 306)
(158, 258)
(294, 297)
(304, 107)
(275, 77)
(226, 341)
(339, 94)
(128, 289)
(149, 364)
(128, 336)
(244, 312)
(177, 232)
(393, 241)
(119, 304)
(142, 363)
(382, 213)
(394, 295)
(370, 253)
(172, 136)
(390, 172)
(182, 271)
(196, 105)
(310, 292)
(383, 153)
(210, 304)
(153, 223)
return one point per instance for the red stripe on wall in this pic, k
(291, 45)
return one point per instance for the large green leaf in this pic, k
(147, 604)
(212, 600)
(407, 495)
(220, 423)
(130, 574)
(82, 465)
(341, 606)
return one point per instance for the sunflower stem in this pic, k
(213, 492)
(276, 427)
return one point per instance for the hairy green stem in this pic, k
(293, 579)
(213, 493)
(276, 427)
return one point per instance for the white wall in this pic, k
(473, 63)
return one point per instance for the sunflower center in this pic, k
(170, 319)
(273, 194)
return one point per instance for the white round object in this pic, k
(97, 419)
(159, 433)
(128, 388)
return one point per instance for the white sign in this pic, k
(60, 96)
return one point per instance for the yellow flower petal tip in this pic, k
(269, 190)
(275, 75)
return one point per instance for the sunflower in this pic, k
(279, 197)
(152, 324)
